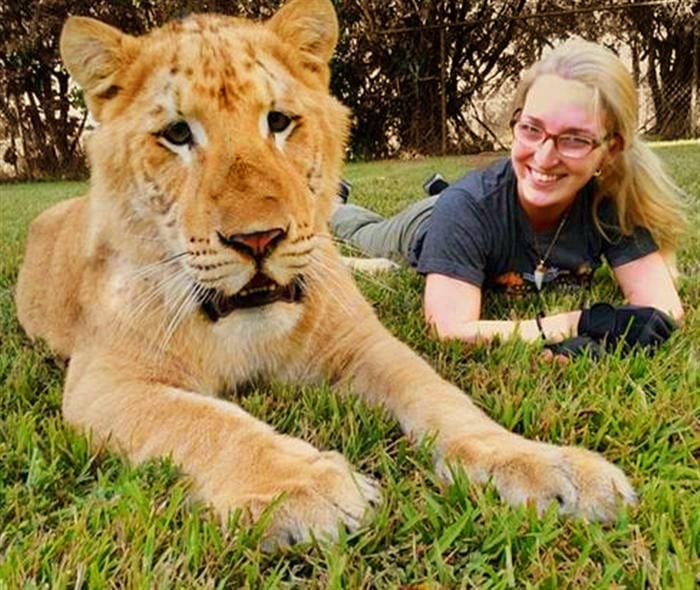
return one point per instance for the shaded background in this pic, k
(421, 77)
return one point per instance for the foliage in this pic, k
(33, 102)
(76, 517)
(41, 112)
(660, 38)
(668, 38)
(388, 70)
(395, 63)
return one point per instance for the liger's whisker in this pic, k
(177, 318)
(369, 278)
(150, 294)
(178, 304)
(155, 266)
(342, 242)
(324, 278)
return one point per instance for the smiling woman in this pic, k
(579, 187)
(560, 144)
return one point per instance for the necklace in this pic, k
(541, 268)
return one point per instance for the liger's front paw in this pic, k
(315, 495)
(581, 482)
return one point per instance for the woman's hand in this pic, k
(628, 325)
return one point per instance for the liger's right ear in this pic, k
(311, 26)
(94, 54)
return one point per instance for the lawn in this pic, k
(73, 517)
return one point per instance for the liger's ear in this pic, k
(94, 53)
(309, 25)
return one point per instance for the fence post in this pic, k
(443, 95)
(694, 112)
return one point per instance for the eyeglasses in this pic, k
(569, 145)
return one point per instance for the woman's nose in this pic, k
(546, 153)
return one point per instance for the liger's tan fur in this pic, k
(112, 280)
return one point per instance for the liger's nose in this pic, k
(255, 244)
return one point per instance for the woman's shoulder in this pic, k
(605, 225)
(605, 209)
(487, 185)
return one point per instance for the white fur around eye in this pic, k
(263, 126)
(199, 137)
(184, 150)
(280, 137)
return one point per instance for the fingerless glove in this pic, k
(632, 325)
(576, 346)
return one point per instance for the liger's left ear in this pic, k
(96, 56)
(312, 27)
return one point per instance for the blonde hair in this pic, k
(643, 192)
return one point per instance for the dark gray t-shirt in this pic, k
(479, 233)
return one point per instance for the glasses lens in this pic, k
(574, 146)
(569, 146)
(528, 134)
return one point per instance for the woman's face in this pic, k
(547, 181)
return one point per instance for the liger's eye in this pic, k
(278, 121)
(178, 133)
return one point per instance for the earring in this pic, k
(597, 172)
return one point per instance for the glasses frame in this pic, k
(595, 143)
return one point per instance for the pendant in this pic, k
(540, 271)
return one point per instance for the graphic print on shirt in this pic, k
(517, 283)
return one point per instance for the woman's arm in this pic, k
(453, 307)
(647, 281)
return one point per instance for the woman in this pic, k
(579, 186)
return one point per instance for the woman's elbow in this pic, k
(445, 329)
(672, 307)
(677, 313)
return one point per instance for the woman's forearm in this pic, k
(555, 327)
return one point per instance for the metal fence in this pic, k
(407, 93)
(669, 104)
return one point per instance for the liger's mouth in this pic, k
(260, 290)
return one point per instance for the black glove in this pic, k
(631, 324)
(576, 346)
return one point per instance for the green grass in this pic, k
(73, 517)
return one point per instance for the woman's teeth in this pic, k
(542, 177)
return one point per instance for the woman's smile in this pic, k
(542, 180)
